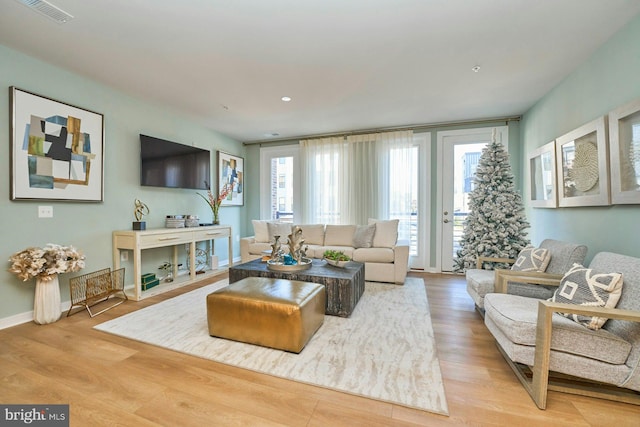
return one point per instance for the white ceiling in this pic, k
(347, 64)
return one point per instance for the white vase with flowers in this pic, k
(45, 264)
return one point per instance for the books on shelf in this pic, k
(149, 280)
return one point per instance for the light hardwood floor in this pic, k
(109, 380)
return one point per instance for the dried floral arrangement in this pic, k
(44, 263)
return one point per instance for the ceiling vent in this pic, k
(47, 9)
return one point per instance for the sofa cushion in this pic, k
(363, 237)
(373, 255)
(532, 259)
(314, 251)
(339, 235)
(313, 234)
(481, 281)
(516, 318)
(257, 248)
(260, 230)
(386, 234)
(585, 286)
(563, 255)
(282, 229)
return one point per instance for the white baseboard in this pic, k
(27, 316)
(16, 319)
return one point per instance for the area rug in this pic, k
(384, 351)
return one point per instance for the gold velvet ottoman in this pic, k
(276, 313)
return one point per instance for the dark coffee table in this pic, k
(343, 286)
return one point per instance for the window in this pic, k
(349, 180)
(279, 183)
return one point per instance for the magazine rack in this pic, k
(93, 288)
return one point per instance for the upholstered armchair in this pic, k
(530, 283)
(538, 342)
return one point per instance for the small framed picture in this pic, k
(231, 179)
(56, 150)
(583, 166)
(624, 135)
(542, 170)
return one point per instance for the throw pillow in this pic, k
(532, 259)
(339, 235)
(584, 286)
(313, 234)
(282, 229)
(363, 237)
(260, 231)
(386, 234)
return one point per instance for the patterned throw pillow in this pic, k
(532, 259)
(584, 286)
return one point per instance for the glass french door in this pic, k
(459, 152)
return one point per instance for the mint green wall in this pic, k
(252, 178)
(88, 226)
(608, 79)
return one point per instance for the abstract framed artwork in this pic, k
(624, 139)
(231, 172)
(583, 166)
(57, 150)
(542, 169)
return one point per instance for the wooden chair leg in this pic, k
(542, 356)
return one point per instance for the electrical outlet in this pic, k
(45, 211)
(124, 256)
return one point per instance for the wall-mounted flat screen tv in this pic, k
(169, 164)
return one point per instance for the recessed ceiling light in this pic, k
(476, 69)
(286, 98)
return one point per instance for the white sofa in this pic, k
(376, 245)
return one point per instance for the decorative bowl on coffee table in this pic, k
(304, 264)
(335, 263)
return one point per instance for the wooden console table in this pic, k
(137, 241)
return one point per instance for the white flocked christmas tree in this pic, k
(495, 226)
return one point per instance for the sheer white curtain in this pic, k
(324, 180)
(364, 176)
(398, 170)
(364, 194)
